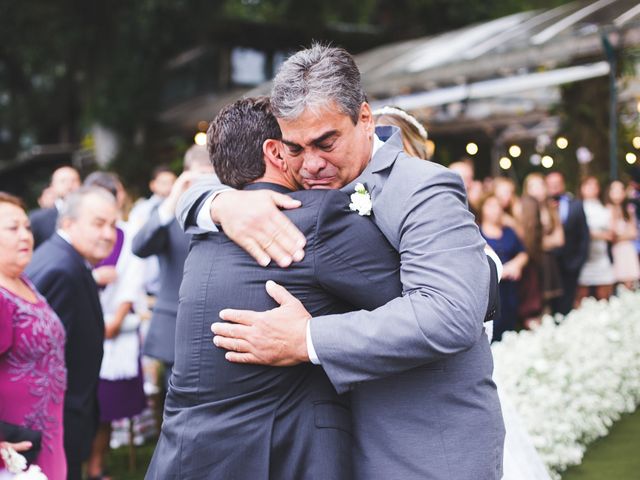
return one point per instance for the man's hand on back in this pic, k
(253, 220)
(276, 337)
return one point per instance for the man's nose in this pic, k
(313, 163)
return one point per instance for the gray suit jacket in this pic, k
(171, 245)
(419, 368)
(225, 420)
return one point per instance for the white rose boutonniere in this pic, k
(361, 201)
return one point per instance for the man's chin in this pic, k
(321, 187)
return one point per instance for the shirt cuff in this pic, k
(165, 217)
(313, 357)
(204, 215)
(494, 256)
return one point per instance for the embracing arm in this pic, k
(193, 200)
(445, 279)
(252, 219)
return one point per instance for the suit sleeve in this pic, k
(192, 200)
(152, 238)
(352, 259)
(584, 237)
(445, 280)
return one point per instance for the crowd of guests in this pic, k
(557, 248)
(77, 274)
(76, 279)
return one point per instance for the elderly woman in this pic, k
(33, 376)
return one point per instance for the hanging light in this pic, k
(630, 158)
(200, 138)
(562, 143)
(472, 148)
(547, 161)
(505, 163)
(636, 142)
(515, 151)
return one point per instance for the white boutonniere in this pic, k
(361, 201)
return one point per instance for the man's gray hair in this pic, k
(196, 155)
(312, 78)
(73, 202)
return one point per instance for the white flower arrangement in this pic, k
(17, 465)
(569, 381)
(361, 201)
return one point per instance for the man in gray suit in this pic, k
(224, 420)
(161, 236)
(419, 368)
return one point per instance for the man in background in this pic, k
(43, 221)
(61, 271)
(573, 254)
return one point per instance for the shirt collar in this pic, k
(377, 144)
(65, 236)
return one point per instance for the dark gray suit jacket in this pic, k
(43, 224)
(171, 246)
(225, 420)
(62, 276)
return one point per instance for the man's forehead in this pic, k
(309, 128)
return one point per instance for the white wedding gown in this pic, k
(521, 460)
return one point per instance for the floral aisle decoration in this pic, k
(571, 378)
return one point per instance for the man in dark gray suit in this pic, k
(224, 420)
(161, 236)
(419, 369)
(61, 271)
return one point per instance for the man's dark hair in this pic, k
(235, 139)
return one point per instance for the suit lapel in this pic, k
(81, 266)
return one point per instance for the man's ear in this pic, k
(366, 117)
(272, 150)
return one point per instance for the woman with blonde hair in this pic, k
(414, 135)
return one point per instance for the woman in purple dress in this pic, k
(33, 377)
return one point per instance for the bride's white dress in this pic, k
(521, 460)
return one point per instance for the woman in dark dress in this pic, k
(509, 248)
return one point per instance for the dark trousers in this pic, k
(564, 303)
(74, 471)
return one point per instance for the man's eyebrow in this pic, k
(324, 137)
(291, 144)
(315, 141)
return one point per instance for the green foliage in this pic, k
(68, 64)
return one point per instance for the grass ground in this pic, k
(614, 457)
(118, 462)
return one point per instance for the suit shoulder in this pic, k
(417, 171)
(42, 213)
